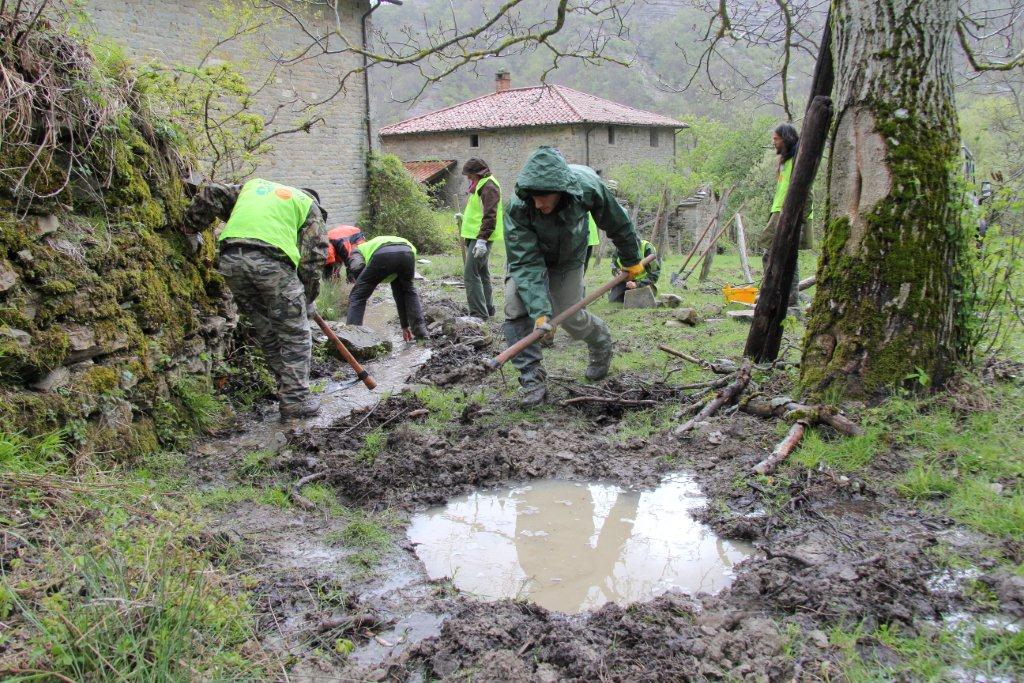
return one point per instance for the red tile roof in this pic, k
(545, 105)
(425, 171)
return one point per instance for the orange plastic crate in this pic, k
(743, 295)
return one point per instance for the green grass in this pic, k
(254, 465)
(932, 655)
(373, 445)
(844, 454)
(225, 497)
(110, 583)
(365, 534)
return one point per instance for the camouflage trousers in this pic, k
(268, 290)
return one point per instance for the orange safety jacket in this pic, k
(340, 241)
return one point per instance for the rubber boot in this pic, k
(308, 408)
(600, 361)
(532, 396)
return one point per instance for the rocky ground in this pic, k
(848, 573)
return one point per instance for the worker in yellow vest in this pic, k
(482, 222)
(272, 252)
(390, 260)
(593, 240)
(786, 142)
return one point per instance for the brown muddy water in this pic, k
(571, 546)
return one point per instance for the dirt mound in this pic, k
(668, 639)
(420, 466)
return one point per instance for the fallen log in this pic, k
(808, 283)
(724, 396)
(790, 410)
(783, 449)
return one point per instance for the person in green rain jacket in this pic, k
(546, 247)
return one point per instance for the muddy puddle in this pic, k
(571, 546)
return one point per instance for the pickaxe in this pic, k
(345, 353)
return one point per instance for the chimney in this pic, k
(502, 81)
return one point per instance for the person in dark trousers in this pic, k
(390, 260)
(786, 141)
(482, 222)
(341, 242)
(649, 279)
(271, 253)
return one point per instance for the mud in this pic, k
(829, 551)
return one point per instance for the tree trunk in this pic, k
(886, 306)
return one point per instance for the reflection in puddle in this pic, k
(572, 547)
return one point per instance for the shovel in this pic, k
(345, 353)
(494, 363)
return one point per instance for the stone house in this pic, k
(331, 156)
(505, 126)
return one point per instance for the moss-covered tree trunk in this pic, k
(887, 303)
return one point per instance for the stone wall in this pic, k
(507, 150)
(330, 157)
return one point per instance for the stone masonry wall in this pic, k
(507, 150)
(329, 158)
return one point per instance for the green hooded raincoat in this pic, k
(535, 243)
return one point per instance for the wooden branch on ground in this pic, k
(811, 414)
(295, 492)
(609, 399)
(808, 283)
(724, 396)
(685, 356)
(783, 449)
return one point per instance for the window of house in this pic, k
(611, 135)
(474, 140)
(654, 137)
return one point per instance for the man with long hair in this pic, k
(786, 141)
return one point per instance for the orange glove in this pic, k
(635, 270)
(542, 324)
(406, 334)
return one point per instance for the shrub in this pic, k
(397, 205)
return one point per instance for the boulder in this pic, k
(8, 278)
(686, 315)
(670, 301)
(54, 380)
(364, 343)
(82, 344)
(641, 297)
(20, 337)
(46, 224)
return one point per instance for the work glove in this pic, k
(480, 249)
(543, 325)
(311, 309)
(406, 334)
(635, 270)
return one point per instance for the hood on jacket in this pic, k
(546, 171)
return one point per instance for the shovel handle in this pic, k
(534, 337)
(345, 353)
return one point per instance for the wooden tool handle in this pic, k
(345, 353)
(533, 337)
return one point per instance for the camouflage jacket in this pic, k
(215, 200)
